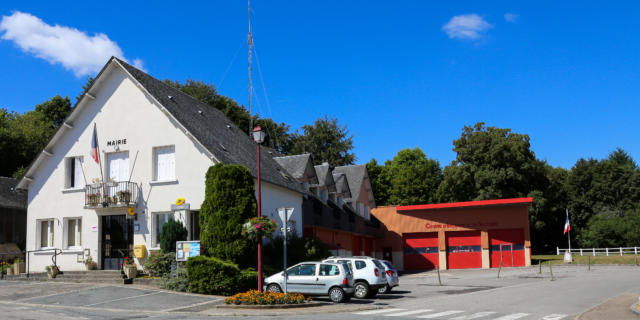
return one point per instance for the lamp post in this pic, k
(258, 136)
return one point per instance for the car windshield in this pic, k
(388, 264)
(378, 264)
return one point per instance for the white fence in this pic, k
(601, 251)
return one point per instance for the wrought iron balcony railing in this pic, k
(111, 195)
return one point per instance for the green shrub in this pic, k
(176, 280)
(229, 202)
(210, 275)
(172, 231)
(158, 265)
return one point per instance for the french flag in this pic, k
(94, 145)
(567, 227)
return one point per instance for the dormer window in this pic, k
(324, 194)
(340, 201)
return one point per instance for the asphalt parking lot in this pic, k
(519, 293)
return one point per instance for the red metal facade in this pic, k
(420, 250)
(463, 249)
(507, 246)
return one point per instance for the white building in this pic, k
(155, 146)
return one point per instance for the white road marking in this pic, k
(378, 311)
(406, 313)
(555, 316)
(512, 316)
(475, 315)
(440, 314)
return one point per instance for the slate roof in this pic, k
(355, 176)
(342, 185)
(9, 196)
(325, 177)
(298, 165)
(215, 131)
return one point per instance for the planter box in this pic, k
(131, 272)
(19, 267)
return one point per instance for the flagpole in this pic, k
(569, 231)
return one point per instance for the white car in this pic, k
(392, 277)
(368, 274)
(315, 279)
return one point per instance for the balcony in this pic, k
(122, 194)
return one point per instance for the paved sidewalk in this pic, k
(614, 308)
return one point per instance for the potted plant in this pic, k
(130, 268)
(124, 196)
(18, 266)
(258, 226)
(52, 271)
(94, 198)
(90, 264)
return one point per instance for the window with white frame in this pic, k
(159, 219)
(73, 233)
(45, 233)
(164, 163)
(74, 179)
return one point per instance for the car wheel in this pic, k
(336, 295)
(362, 290)
(274, 288)
(384, 290)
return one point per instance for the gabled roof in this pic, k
(299, 165)
(9, 196)
(342, 185)
(355, 176)
(209, 127)
(325, 177)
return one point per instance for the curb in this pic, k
(273, 306)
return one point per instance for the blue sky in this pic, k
(400, 74)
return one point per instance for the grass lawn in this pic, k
(577, 259)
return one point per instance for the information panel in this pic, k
(187, 249)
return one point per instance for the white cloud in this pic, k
(466, 26)
(511, 17)
(74, 49)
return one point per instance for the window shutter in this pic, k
(78, 177)
(165, 164)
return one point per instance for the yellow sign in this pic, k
(179, 201)
(132, 211)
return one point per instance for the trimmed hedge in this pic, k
(210, 275)
(159, 264)
(171, 232)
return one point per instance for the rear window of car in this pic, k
(378, 264)
(329, 270)
(388, 264)
(347, 268)
(360, 264)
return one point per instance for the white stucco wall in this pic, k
(274, 197)
(121, 111)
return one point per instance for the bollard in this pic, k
(551, 272)
(589, 263)
(499, 269)
(539, 266)
(438, 270)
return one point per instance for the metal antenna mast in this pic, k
(250, 45)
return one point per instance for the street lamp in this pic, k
(258, 136)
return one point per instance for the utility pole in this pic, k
(250, 45)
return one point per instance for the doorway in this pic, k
(117, 241)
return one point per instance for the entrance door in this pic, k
(420, 250)
(117, 241)
(463, 249)
(507, 247)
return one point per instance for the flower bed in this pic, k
(254, 297)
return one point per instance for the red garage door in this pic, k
(420, 250)
(463, 249)
(507, 245)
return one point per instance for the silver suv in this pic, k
(368, 274)
(315, 279)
